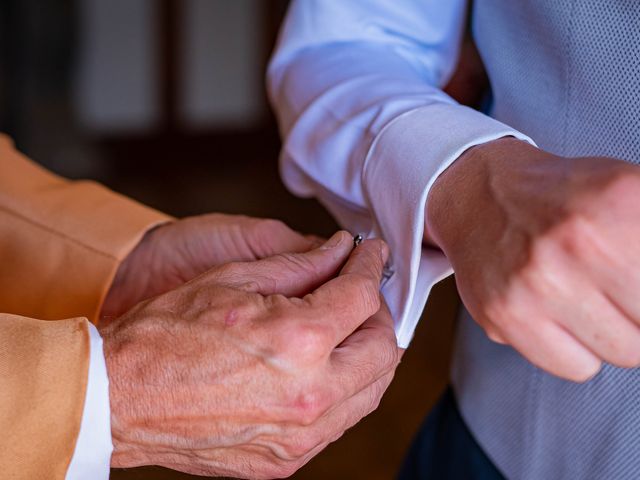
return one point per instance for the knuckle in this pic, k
(495, 314)
(371, 255)
(309, 406)
(270, 284)
(574, 227)
(493, 331)
(376, 398)
(574, 236)
(295, 263)
(286, 469)
(371, 261)
(272, 467)
(264, 234)
(539, 267)
(271, 225)
(297, 447)
(278, 305)
(633, 357)
(627, 356)
(585, 374)
(250, 285)
(515, 307)
(623, 181)
(494, 334)
(368, 295)
(336, 436)
(389, 354)
(374, 299)
(309, 341)
(230, 271)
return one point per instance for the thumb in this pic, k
(291, 274)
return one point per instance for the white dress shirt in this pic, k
(92, 455)
(367, 129)
(357, 87)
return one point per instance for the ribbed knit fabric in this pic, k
(566, 73)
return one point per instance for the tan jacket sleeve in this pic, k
(60, 241)
(60, 245)
(43, 371)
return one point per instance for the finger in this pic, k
(273, 237)
(315, 241)
(602, 328)
(361, 404)
(366, 355)
(618, 281)
(610, 259)
(588, 315)
(346, 301)
(288, 274)
(529, 321)
(552, 348)
(342, 417)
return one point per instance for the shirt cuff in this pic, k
(403, 162)
(92, 455)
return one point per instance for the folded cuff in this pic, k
(403, 162)
(92, 454)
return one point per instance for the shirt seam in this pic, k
(57, 233)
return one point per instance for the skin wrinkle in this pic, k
(169, 441)
(180, 250)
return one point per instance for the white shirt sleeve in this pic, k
(367, 129)
(92, 455)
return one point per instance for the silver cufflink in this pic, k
(387, 271)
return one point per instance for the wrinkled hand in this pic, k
(176, 252)
(244, 373)
(546, 252)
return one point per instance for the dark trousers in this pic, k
(444, 448)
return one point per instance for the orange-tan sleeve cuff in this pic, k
(61, 241)
(43, 375)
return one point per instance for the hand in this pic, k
(244, 373)
(546, 252)
(174, 253)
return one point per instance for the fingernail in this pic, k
(384, 252)
(333, 242)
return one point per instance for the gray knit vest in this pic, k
(566, 73)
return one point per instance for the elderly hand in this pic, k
(176, 252)
(546, 252)
(252, 368)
